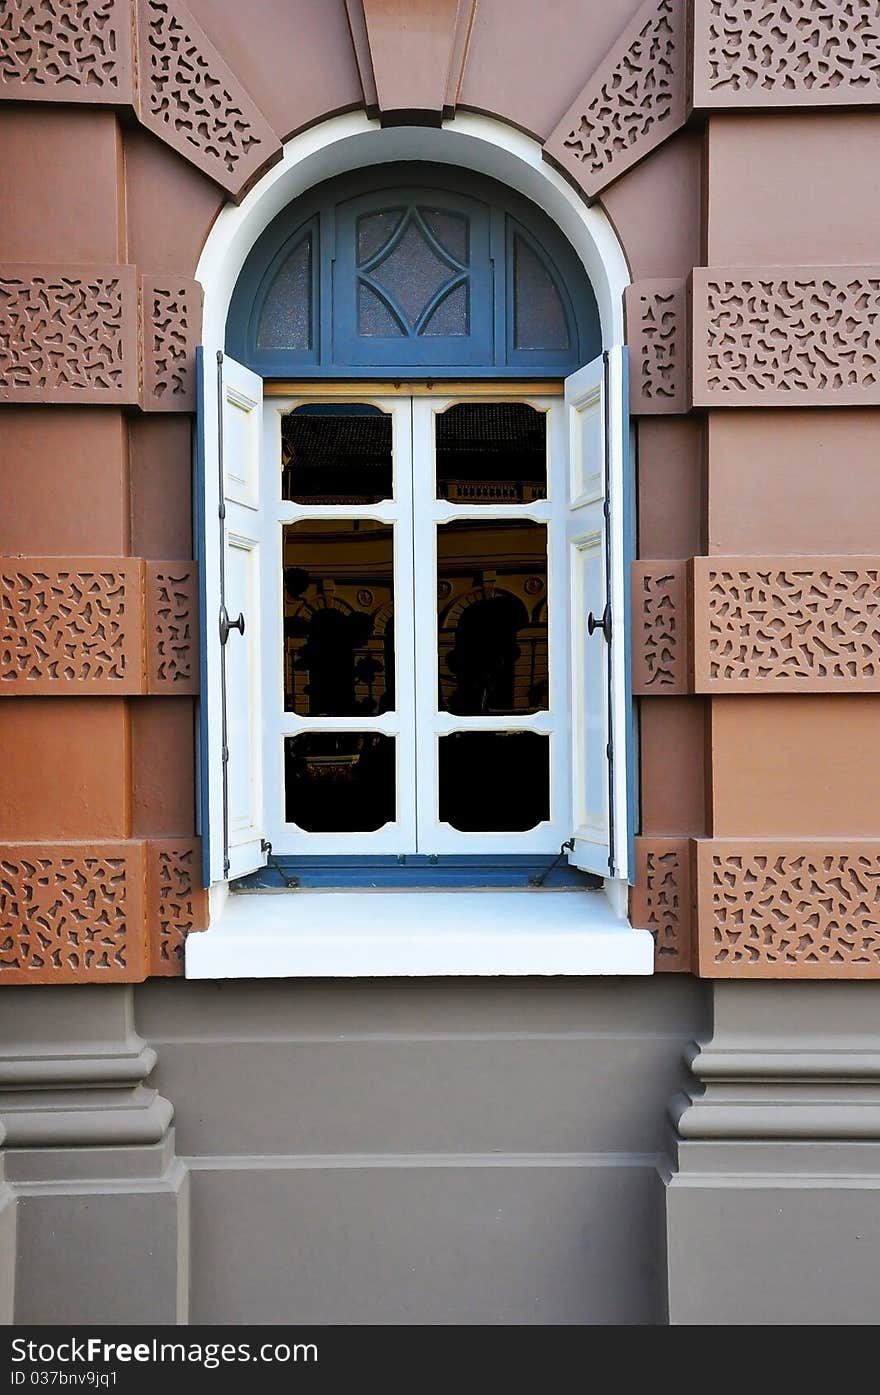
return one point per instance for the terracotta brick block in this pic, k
(788, 909)
(635, 99)
(66, 53)
(163, 775)
(656, 319)
(782, 624)
(72, 913)
(778, 54)
(660, 628)
(661, 900)
(802, 336)
(177, 906)
(172, 627)
(70, 625)
(68, 333)
(411, 69)
(171, 322)
(160, 450)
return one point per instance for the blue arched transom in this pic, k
(412, 270)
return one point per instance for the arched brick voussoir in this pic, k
(150, 55)
(635, 100)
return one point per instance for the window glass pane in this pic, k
(338, 618)
(374, 230)
(339, 782)
(492, 617)
(336, 453)
(538, 315)
(412, 273)
(374, 317)
(491, 452)
(494, 781)
(451, 315)
(450, 230)
(286, 317)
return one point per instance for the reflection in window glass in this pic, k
(494, 781)
(336, 453)
(538, 315)
(492, 617)
(338, 618)
(286, 316)
(491, 453)
(339, 782)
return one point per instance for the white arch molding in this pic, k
(353, 141)
(349, 142)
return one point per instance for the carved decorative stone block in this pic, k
(799, 337)
(172, 627)
(68, 626)
(68, 333)
(189, 97)
(661, 899)
(656, 331)
(58, 51)
(660, 628)
(781, 624)
(171, 322)
(633, 102)
(788, 909)
(72, 913)
(786, 53)
(177, 906)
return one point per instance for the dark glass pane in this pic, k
(494, 781)
(286, 317)
(491, 452)
(451, 315)
(338, 618)
(450, 230)
(339, 782)
(411, 273)
(336, 453)
(492, 617)
(374, 317)
(374, 230)
(538, 315)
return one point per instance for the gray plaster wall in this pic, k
(423, 1152)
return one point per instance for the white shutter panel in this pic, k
(595, 536)
(238, 618)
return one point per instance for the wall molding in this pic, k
(802, 336)
(661, 900)
(787, 908)
(785, 624)
(97, 626)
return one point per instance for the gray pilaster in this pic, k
(101, 1202)
(773, 1185)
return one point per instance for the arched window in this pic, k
(422, 457)
(420, 270)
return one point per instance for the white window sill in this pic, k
(423, 933)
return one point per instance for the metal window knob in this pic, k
(604, 624)
(226, 624)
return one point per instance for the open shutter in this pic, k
(597, 527)
(230, 521)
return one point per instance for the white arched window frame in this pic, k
(534, 934)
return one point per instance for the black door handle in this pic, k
(604, 624)
(226, 624)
